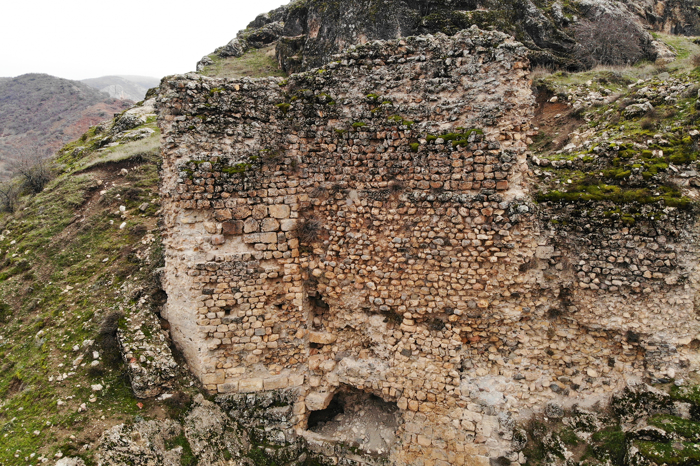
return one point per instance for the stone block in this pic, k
(222, 215)
(322, 338)
(296, 380)
(228, 387)
(287, 224)
(250, 385)
(214, 378)
(241, 212)
(259, 212)
(317, 401)
(276, 383)
(232, 227)
(270, 224)
(265, 238)
(279, 211)
(251, 226)
(218, 240)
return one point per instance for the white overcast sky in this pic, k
(79, 39)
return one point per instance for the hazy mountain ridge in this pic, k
(123, 86)
(40, 113)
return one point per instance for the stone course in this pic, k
(369, 225)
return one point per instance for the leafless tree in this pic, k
(33, 166)
(609, 40)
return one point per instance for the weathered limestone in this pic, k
(369, 225)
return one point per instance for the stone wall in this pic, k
(368, 226)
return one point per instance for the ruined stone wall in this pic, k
(368, 226)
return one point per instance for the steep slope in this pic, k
(76, 274)
(123, 87)
(40, 113)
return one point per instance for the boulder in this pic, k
(235, 48)
(141, 444)
(637, 110)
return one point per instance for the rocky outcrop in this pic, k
(142, 444)
(237, 430)
(561, 34)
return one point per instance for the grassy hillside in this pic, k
(624, 135)
(76, 261)
(40, 113)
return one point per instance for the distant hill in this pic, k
(123, 87)
(40, 113)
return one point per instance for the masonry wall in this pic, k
(369, 225)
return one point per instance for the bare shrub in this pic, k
(610, 40)
(539, 72)
(9, 196)
(307, 230)
(647, 123)
(34, 167)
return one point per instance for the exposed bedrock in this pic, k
(570, 35)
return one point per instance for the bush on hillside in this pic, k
(610, 40)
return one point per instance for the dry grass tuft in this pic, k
(307, 230)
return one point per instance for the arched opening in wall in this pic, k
(360, 420)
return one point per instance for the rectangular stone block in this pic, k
(214, 378)
(287, 224)
(228, 387)
(279, 211)
(317, 401)
(322, 338)
(296, 380)
(276, 383)
(250, 385)
(270, 224)
(265, 238)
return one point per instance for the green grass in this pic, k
(147, 147)
(56, 288)
(670, 454)
(689, 393)
(255, 63)
(187, 458)
(673, 424)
